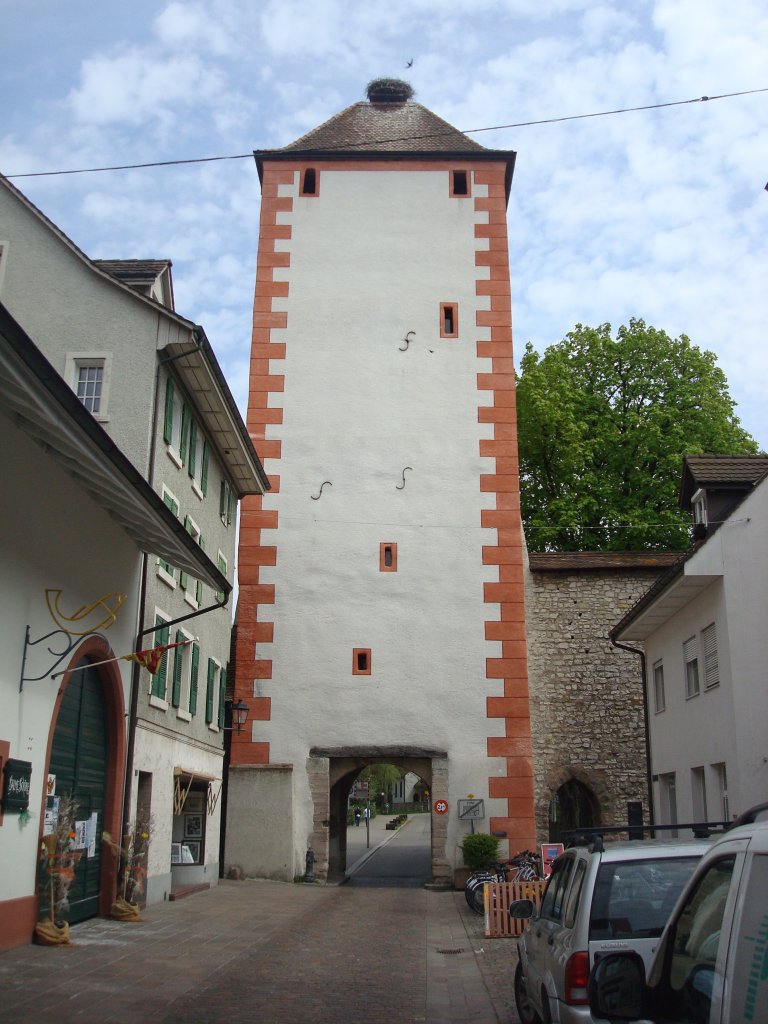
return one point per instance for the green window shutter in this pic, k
(193, 679)
(184, 431)
(199, 586)
(159, 678)
(173, 506)
(168, 424)
(209, 691)
(222, 564)
(192, 447)
(230, 506)
(178, 661)
(222, 696)
(204, 468)
(183, 577)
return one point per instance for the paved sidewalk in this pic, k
(272, 953)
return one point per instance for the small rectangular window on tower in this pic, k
(459, 184)
(361, 661)
(388, 557)
(449, 320)
(309, 181)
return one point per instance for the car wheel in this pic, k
(525, 1011)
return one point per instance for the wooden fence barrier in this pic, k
(498, 896)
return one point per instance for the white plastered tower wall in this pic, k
(368, 412)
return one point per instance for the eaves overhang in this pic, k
(460, 156)
(669, 594)
(197, 367)
(39, 402)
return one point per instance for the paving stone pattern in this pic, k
(272, 953)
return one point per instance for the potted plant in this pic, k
(133, 868)
(478, 851)
(59, 858)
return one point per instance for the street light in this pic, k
(239, 711)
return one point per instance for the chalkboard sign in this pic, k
(16, 784)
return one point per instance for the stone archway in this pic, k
(331, 774)
(574, 799)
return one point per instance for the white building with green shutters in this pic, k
(150, 378)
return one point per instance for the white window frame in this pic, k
(659, 694)
(691, 667)
(699, 506)
(162, 704)
(168, 578)
(668, 793)
(699, 794)
(213, 725)
(4, 247)
(711, 660)
(182, 711)
(191, 589)
(721, 775)
(75, 361)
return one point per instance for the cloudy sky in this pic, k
(659, 214)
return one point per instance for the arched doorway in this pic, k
(332, 773)
(574, 805)
(86, 758)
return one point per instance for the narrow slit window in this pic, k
(309, 182)
(361, 661)
(459, 183)
(449, 320)
(388, 557)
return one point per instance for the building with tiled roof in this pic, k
(701, 629)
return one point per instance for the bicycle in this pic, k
(523, 867)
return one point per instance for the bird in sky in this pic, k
(410, 63)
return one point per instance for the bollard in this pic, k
(310, 874)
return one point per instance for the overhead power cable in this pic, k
(400, 138)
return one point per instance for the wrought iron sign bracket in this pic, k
(70, 641)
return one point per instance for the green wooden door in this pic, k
(79, 762)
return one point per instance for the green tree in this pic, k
(603, 427)
(381, 778)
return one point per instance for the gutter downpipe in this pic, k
(646, 726)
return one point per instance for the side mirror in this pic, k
(522, 910)
(617, 988)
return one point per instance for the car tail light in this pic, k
(576, 978)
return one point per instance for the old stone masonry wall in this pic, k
(586, 695)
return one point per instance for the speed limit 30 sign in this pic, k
(440, 806)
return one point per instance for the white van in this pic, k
(711, 966)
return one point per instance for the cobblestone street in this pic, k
(272, 953)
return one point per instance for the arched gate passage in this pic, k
(331, 774)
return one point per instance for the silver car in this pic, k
(599, 900)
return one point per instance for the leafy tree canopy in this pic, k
(603, 427)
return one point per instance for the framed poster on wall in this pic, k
(190, 852)
(193, 826)
(194, 803)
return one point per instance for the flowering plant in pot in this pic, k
(133, 868)
(59, 857)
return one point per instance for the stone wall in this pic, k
(587, 713)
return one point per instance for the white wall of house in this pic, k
(724, 724)
(53, 536)
(72, 310)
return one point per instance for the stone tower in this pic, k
(381, 613)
